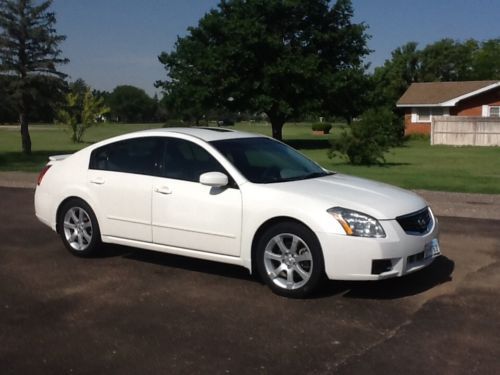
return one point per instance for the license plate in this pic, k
(432, 249)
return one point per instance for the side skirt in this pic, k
(177, 251)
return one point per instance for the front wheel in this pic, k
(78, 228)
(289, 260)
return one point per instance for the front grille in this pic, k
(416, 223)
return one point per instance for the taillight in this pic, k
(42, 173)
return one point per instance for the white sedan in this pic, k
(237, 198)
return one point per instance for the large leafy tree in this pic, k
(29, 53)
(392, 79)
(284, 58)
(486, 60)
(131, 104)
(447, 60)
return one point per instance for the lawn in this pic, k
(416, 165)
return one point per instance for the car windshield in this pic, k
(263, 160)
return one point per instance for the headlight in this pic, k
(356, 223)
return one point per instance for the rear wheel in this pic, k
(289, 260)
(78, 228)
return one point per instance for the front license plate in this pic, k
(432, 249)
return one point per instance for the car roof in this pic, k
(206, 134)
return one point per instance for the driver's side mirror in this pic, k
(214, 179)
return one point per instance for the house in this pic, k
(424, 100)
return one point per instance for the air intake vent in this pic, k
(416, 223)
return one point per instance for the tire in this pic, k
(78, 228)
(290, 260)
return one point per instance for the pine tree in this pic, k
(29, 53)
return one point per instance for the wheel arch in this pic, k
(63, 202)
(268, 224)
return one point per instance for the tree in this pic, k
(82, 110)
(486, 60)
(29, 52)
(7, 113)
(447, 60)
(131, 104)
(369, 139)
(392, 79)
(281, 58)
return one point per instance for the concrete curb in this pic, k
(475, 206)
(25, 180)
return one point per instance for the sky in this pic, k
(114, 42)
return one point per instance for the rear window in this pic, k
(138, 156)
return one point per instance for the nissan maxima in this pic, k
(238, 198)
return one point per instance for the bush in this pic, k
(368, 139)
(418, 137)
(176, 124)
(322, 127)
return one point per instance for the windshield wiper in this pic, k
(316, 174)
(307, 176)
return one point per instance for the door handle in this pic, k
(97, 181)
(163, 190)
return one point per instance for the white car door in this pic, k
(189, 215)
(120, 179)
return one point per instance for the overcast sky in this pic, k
(113, 42)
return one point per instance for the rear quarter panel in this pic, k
(66, 178)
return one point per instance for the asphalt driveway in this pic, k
(135, 312)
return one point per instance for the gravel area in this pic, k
(477, 206)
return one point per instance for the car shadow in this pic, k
(439, 272)
(185, 263)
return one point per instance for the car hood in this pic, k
(382, 201)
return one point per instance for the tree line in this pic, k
(126, 103)
(444, 60)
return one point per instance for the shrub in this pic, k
(418, 137)
(176, 123)
(322, 127)
(368, 139)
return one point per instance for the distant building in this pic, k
(424, 100)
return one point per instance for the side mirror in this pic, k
(214, 179)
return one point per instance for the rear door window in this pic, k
(138, 156)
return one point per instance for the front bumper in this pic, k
(358, 258)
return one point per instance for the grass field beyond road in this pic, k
(416, 165)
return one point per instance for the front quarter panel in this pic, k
(262, 203)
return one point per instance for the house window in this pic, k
(425, 114)
(495, 111)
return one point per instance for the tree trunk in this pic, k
(277, 130)
(277, 123)
(25, 134)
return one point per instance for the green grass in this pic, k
(416, 165)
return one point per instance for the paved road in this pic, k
(137, 312)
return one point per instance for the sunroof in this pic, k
(221, 130)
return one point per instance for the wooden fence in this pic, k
(465, 131)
